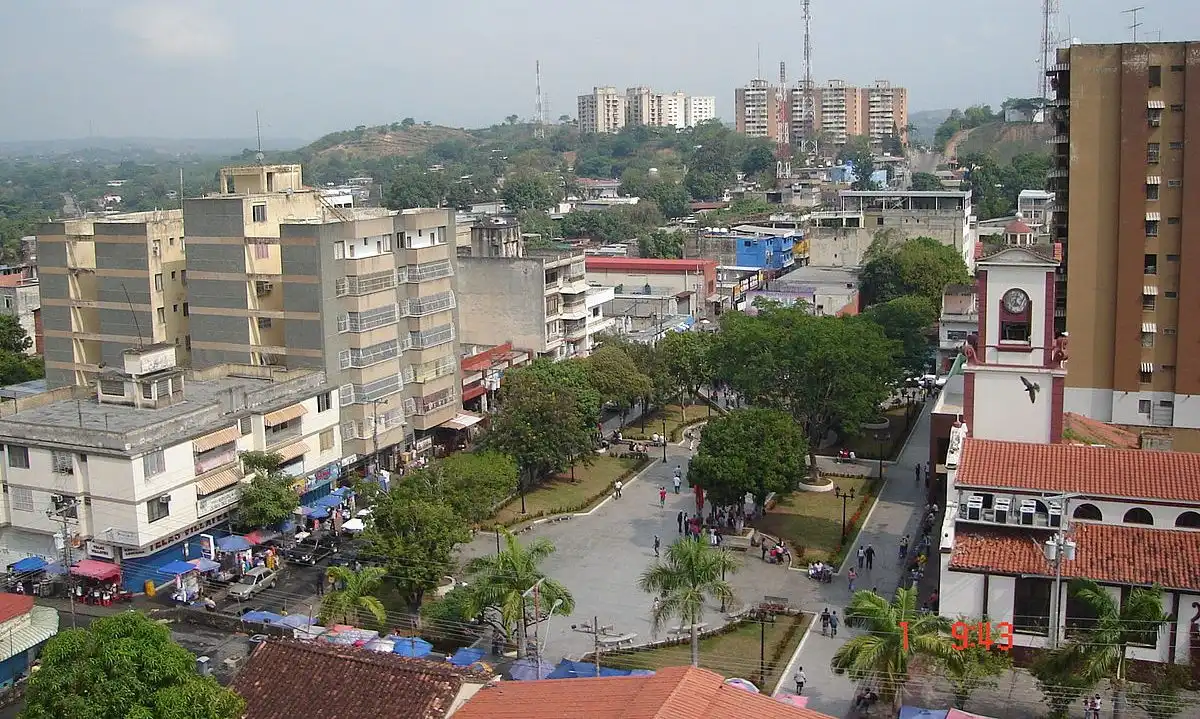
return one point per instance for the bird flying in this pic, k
(1032, 388)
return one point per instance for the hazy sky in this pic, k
(172, 68)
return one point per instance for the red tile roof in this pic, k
(647, 264)
(672, 693)
(1078, 429)
(1107, 553)
(14, 605)
(288, 679)
(1017, 227)
(696, 206)
(1093, 471)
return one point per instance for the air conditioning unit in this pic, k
(261, 288)
(975, 508)
(165, 499)
(1028, 509)
(56, 498)
(1003, 508)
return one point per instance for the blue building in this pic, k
(773, 254)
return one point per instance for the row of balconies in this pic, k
(432, 337)
(373, 355)
(421, 306)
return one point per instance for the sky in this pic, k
(171, 68)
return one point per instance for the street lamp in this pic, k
(1056, 549)
(664, 439)
(845, 497)
(882, 437)
(542, 649)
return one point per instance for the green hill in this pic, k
(1004, 140)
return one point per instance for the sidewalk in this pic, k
(896, 513)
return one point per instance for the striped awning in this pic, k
(220, 480)
(1147, 366)
(292, 451)
(216, 439)
(1149, 327)
(286, 414)
(1150, 290)
(1154, 180)
(1155, 104)
(1152, 216)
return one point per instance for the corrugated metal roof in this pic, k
(286, 414)
(645, 264)
(43, 624)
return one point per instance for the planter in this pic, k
(880, 426)
(806, 487)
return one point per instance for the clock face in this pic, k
(1016, 301)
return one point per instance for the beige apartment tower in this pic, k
(604, 110)
(756, 110)
(842, 111)
(279, 278)
(1126, 209)
(109, 284)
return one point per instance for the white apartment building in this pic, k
(700, 108)
(1034, 208)
(133, 469)
(675, 106)
(643, 106)
(603, 110)
(886, 111)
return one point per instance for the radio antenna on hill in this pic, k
(1049, 45)
(807, 129)
(539, 109)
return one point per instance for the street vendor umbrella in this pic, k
(524, 670)
(297, 621)
(233, 543)
(262, 617)
(354, 525)
(381, 645)
(28, 564)
(329, 500)
(204, 564)
(177, 567)
(318, 513)
(466, 656)
(742, 684)
(411, 646)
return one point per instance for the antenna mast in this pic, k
(1049, 42)
(539, 110)
(783, 155)
(1134, 25)
(807, 129)
(258, 154)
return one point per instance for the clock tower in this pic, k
(1015, 373)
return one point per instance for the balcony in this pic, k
(552, 285)
(421, 306)
(281, 433)
(369, 320)
(426, 271)
(575, 330)
(208, 461)
(432, 337)
(574, 285)
(358, 285)
(1056, 172)
(430, 371)
(434, 402)
(574, 311)
(373, 355)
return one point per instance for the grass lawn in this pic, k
(671, 412)
(865, 446)
(733, 655)
(559, 493)
(812, 521)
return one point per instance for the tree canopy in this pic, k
(694, 572)
(269, 498)
(825, 372)
(687, 361)
(352, 600)
(123, 667)
(615, 376)
(920, 266)
(15, 365)
(995, 186)
(925, 182)
(528, 191)
(907, 320)
(749, 451)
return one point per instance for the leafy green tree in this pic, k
(475, 483)
(694, 572)
(414, 533)
(1101, 652)
(19, 367)
(528, 191)
(687, 361)
(353, 600)
(13, 337)
(749, 451)
(504, 584)
(268, 499)
(972, 669)
(825, 372)
(613, 374)
(672, 199)
(1060, 685)
(661, 244)
(758, 161)
(448, 617)
(881, 653)
(925, 182)
(920, 266)
(407, 122)
(415, 187)
(120, 667)
(710, 171)
(1159, 697)
(907, 320)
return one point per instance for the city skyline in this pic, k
(149, 69)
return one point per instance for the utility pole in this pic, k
(375, 432)
(596, 634)
(63, 515)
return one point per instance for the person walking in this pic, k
(904, 547)
(869, 553)
(825, 622)
(801, 679)
(678, 483)
(918, 472)
(657, 544)
(617, 486)
(833, 623)
(679, 520)
(662, 496)
(850, 577)
(862, 556)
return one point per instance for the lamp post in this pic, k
(664, 439)
(1056, 549)
(882, 437)
(542, 649)
(521, 640)
(845, 497)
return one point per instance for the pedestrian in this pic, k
(617, 486)
(904, 547)
(833, 623)
(851, 576)
(321, 586)
(870, 555)
(764, 550)
(862, 556)
(657, 543)
(679, 520)
(801, 679)
(678, 482)
(918, 472)
(825, 622)
(662, 496)
(678, 470)
(928, 469)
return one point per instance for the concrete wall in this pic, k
(502, 300)
(215, 241)
(837, 247)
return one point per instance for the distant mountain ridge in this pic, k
(157, 145)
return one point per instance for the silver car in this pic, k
(253, 582)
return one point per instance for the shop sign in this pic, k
(218, 501)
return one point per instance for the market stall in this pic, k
(186, 586)
(36, 576)
(99, 582)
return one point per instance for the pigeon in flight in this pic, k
(1032, 388)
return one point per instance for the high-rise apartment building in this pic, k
(1127, 194)
(841, 111)
(674, 109)
(643, 106)
(756, 110)
(108, 284)
(603, 110)
(700, 108)
(277, 278)
(885, 110)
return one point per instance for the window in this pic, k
(22, 498)
(1088, 511)
(1168, 330)
(18, 456)
(112, 388)
(1151, 228)
(1137, 515)
(879, 220)
(172, 274)
(1156, 76)
(1172, 258)
(1014, 331)
(171, 241)
(1031, 606)
(1147, 339)
(1171, 294)
(158, 508)
(324, 402)
(339, 250)
(1174, 183)
(1177, 68)
(1176, 145)
(156, 247)
(259, 213)
(1188, 520)
(7, 302)
(154, 463)
(158, 282)
(326, 438)
(1148, 302)
(185, 309)
(1151, 191)
(175, 307)
(187, 342)
(183, 276)
(1172, 220)
(1150, 263)
(244, 426)
(1178, 107)
(1143, 406)
(264, 323)
(1152, 149)
(1145, 378)
(162, 314)
(62, 462)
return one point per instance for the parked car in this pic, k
(253, 582)
(308, 553)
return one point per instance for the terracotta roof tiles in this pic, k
(1078, 429)
(1093, 471)
(1106, 553)
(14, 605)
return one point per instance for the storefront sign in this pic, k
(349, 460)
(218, 501)
(329, 473)
(424, 444)
(208, 546)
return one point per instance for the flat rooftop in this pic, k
(817, 276)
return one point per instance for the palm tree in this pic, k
(511, 584)
(354, 598)
(1101, 651)
(693, 571)
(884, 650)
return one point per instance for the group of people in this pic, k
(1092, 706)
(821, 571)
(775, 553)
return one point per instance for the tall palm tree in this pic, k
(1101, 651)
(881, 652)
(512, 584)
(353, 600)
(693, 572)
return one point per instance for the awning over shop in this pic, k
(28, 564)
(293, 450)
(216, 439)
(286, 414)
(95, 569)
(177, 567)
(220, 480)
(463, 420)
(43, 624)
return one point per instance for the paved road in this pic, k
(895, 514)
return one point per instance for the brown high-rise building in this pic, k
(756, 110)
(1126, 211)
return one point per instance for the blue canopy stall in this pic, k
(415, 647)
(27, 565)
(262, 617)
(466, 656)
(234, 543)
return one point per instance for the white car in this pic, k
(253, 582)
